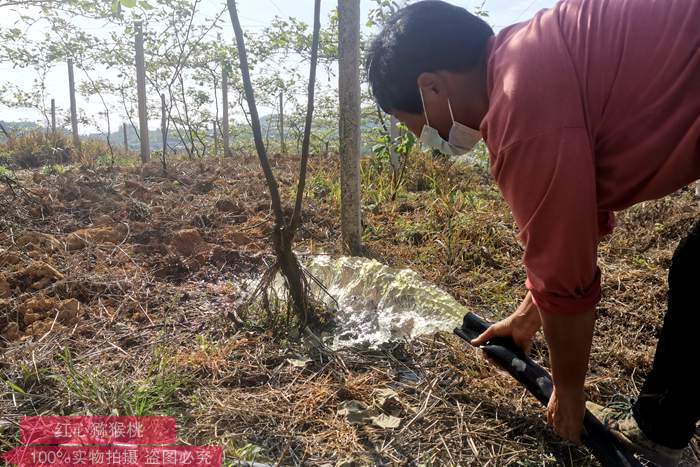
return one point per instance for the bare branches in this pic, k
(26, 3)
(254, 118)
(296, 216)
(4, 131)
(17, 189)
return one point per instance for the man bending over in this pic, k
(588, 108)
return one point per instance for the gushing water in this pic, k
(376, 303)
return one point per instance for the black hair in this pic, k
(427, 36)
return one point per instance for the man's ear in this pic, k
(432, 84)
(433, 87)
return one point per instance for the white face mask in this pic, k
(462, 139)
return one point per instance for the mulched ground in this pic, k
(117, 287)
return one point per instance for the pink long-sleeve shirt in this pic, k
(594, 105)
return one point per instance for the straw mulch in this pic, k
(117, 287)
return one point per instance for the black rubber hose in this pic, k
(503, 351)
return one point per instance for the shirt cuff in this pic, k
(552, 303)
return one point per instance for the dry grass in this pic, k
(39, 148)
(152, 334)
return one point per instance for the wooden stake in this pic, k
(126, 140)
(224, 118)
(163, 125)
(73, 106)
(349, 128)
(394, 156)
(283, 147)
(141, 89)
(216, 138)
(53, 117)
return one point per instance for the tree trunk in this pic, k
(224, 118)
(349, 128)
(141, 88)
(73, 106)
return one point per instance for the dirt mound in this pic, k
(221, 256)
(137, 190)
(35, 316)
(203, 187)
(9, 258)
(152, 169)
(187, 242)
(36, 275)
(230, 205)
(96, 235)
(39, 241)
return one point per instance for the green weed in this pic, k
(98, 391)
(249, 452)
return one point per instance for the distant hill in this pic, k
(241, 134)
(116, 138)
(154, 138)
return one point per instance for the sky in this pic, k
(254, 15)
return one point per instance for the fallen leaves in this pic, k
(382, 412)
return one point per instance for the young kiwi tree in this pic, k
(285, 227)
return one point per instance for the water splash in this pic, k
(377, 303)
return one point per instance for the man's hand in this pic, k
(521, 326)
(569, 340)
(565, 414)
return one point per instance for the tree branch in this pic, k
(296, 216)
(254, 118)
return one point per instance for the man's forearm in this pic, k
(529, 308)
(569, 338)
